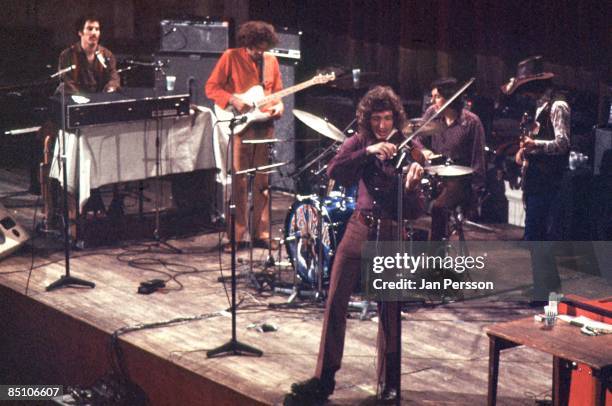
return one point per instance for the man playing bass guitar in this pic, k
(238, 70)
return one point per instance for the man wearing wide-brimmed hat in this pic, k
(543, 153)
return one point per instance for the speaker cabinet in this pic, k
(191, 71)
(284, 129)
(194, 36)
(288, 44)
(12, 235)
(603, 142)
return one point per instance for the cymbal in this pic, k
(319, 125)
(449, 170)
(431, 129)
(346, 82)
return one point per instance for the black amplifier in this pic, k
(131, 104)
(288, 43)
(194, 36)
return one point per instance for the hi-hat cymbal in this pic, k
(449, 170)
(319, 125)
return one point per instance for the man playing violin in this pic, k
(364, 158)
(237, 71)
(462, 141)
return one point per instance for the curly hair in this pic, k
(379, 98)
(253, 33)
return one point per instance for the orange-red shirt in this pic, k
(237, 72)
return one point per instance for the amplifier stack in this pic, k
(189, 50)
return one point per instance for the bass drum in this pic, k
(307, 219)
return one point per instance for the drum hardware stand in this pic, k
(233, 347)
(332, 148)
(251, 173)
(66, 279)
(365, 307)
(158, 130)
(270, 260)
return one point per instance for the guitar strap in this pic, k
(261, 70)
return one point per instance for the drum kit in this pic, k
(315, 223)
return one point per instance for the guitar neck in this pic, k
(284, 92)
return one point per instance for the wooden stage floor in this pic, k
(63, 337)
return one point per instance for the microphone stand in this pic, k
(158, 129)
(399, 237)
(66, 279)
(233, 346)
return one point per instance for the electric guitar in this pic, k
(257, 100)
(525, 127)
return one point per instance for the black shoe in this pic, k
(388, 395)
(265, 243)
(310, 392)
(240, 245)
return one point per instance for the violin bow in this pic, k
(436, 114)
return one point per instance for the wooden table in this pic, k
(565, 343)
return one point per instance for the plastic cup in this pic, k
(170, 81)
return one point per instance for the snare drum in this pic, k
(308, 218)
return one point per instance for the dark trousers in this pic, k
(343, 281)
(539, 217)
(455, 192)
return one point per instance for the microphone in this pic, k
(234, 122)
(62, 71)
(101, 59)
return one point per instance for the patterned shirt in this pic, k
(560, 118)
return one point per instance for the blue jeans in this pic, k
(539, 218)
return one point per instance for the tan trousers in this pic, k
(245, 157)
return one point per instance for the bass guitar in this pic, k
(258, 101)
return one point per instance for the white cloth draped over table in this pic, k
(123, 152)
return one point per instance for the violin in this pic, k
(379, 176)
(414, 154)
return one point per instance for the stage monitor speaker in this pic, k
(603, 142)
(12, 235)
(191, 71)
(194, 36)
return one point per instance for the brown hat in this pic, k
(528, 70)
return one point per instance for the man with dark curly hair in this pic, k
(238, 70)
(364, 158)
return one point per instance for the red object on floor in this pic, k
(581, 382)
